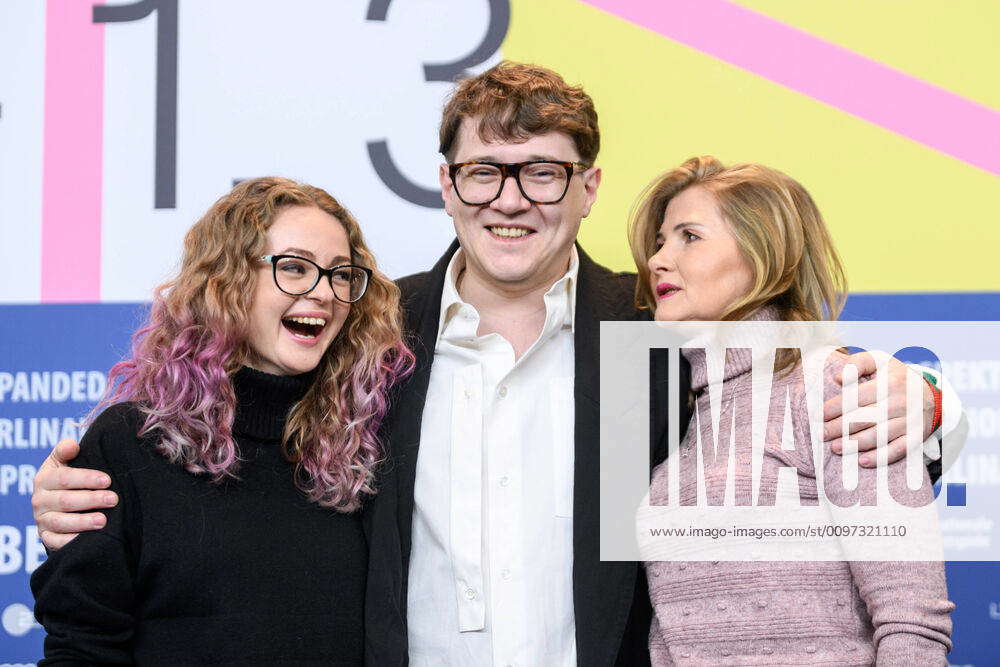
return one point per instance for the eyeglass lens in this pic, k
(298, 276)
(542, 182)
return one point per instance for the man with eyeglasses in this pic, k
(484, 535)
(485, 532)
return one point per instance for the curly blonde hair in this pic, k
(196, 338)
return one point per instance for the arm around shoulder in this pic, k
(84, 593)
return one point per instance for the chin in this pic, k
(665, 313)
(299, 365)
(510, 272)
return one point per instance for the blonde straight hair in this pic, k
(778, 229)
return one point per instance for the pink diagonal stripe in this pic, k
(829, 73)
(72, 152)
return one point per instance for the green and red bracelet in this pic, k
(932, 383)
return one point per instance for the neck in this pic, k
(515, 311)
(264, 400)
(488, 295)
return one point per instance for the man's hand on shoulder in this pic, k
(893, 411)
(61, 493)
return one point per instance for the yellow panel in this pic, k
(905, 217)
(955, 45)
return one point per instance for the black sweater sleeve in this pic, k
(84, 592)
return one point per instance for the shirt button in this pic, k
(810, 649)
(503, 391)
(505, 574)
(768, 650)
(504, 481)
(470, 594)
(468, 394)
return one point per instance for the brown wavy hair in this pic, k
(514, 101)
(183, 359)
(778, 229)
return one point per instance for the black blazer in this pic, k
(610, 599)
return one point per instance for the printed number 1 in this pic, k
(378, 150)
(165, 175)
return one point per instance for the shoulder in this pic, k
(112, 439)
(118, 419)
(412, 285)
(622, 281)
(832, 363)
(612, 291)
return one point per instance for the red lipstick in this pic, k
(664, 290)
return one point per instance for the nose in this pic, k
(661, 261)
(510, 201)
(322, 293)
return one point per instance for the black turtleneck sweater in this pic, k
(186, 571)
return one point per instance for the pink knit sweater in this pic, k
(791, 613)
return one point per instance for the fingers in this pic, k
(893, 406)
(55, 541)
(68, 523)
(897, 451)
(834, 428)
(81, 501)
(57, 529)
(864, 361)
(65, 451)
(46, 502)
(62, 477)
(867, 438)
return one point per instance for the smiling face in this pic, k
(698, 270)
(512, 244)
(289, 334)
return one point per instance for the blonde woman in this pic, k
(240, 437)
(739, 243)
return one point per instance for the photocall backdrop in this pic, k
(121, 123)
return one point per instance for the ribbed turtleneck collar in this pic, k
(739, 360)
(264, 400)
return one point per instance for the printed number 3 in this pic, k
(378, 150)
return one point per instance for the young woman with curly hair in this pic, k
(240, 437)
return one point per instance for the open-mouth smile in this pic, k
(509, 233)
(304, 328)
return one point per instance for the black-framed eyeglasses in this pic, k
(296, 276)
(540, 181)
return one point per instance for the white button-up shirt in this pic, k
(491, 566)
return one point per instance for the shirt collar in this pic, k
(452, 303)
